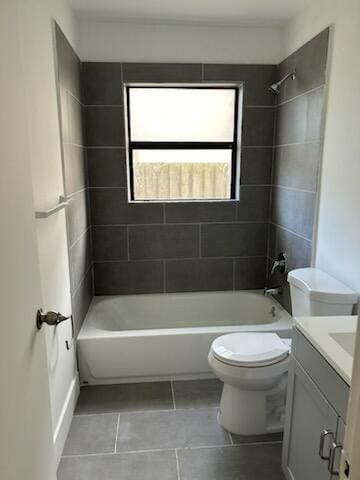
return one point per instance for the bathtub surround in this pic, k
(75, 177)
(207, 246)
(171, 247)
(297, 155)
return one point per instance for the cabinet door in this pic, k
(308, 414)
(336, 449)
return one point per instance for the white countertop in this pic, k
(334, 338)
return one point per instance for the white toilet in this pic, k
(253, 366)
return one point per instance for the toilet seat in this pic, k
(250, 349)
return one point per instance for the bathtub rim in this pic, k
(282, 324)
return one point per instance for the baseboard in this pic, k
(63, 425)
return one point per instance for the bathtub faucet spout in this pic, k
(273, 291)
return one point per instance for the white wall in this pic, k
(337, 248)
(112, 41)
(45, 153)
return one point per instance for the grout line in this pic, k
(284, 187)
(169, 410)
(117, 432)
(81, 281)
(164, 275)
(291, 231)
(114, 105)
(259, 106)
(153, 450)
(320, 87)
(173, 394)
(177, 464)
(257, 146)
(157, 224)
(99, 147)
(175, 259)
(233, 273)
(88, 230)
(200, 240)
(128, 242)
(294, 144)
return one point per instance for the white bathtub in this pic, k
(166, 336)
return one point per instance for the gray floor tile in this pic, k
(144, 466)
(246, 462)
(176, 429)
(271, 437)
(198, 393)
(91, 434)
(128, 397)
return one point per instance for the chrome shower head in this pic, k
(275, 87)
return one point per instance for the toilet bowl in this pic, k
(253, 367)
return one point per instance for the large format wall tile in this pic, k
(104, 126)
(199, 275)
(297, 158)
(298, 249)
(200, 212)
(75, 119)
(294, 210)
(75, 177)
(119, 278)
(81, 300)
(297, 166)
(109, 206)
(106, 167)
(254, 203)
(309, 62)
(250, 273)
(176, 235)
(162, 72)
(234, 239)
(77, 215)
(258, 127)
(255, 78)
(300, 120)
(80, 260)
(68, 64)
(75, 168)
(164, 241)
(109, 243)
(256, 166)
(102, 83)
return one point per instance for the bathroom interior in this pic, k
(180, 261)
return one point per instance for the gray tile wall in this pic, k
(145, 248)
(75, 177)
(297, 156)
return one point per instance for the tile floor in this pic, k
(161, 431)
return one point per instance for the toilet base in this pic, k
(253, 412)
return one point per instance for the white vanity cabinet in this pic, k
(316, 409)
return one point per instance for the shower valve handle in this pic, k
(50, 318)
(280, 264)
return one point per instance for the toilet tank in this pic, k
(315, 293)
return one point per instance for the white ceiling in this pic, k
(210, 12)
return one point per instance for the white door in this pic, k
(26, 444)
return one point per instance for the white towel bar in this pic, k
(63, 202)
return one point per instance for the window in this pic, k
(182, 142)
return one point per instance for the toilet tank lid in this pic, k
(322, 287)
